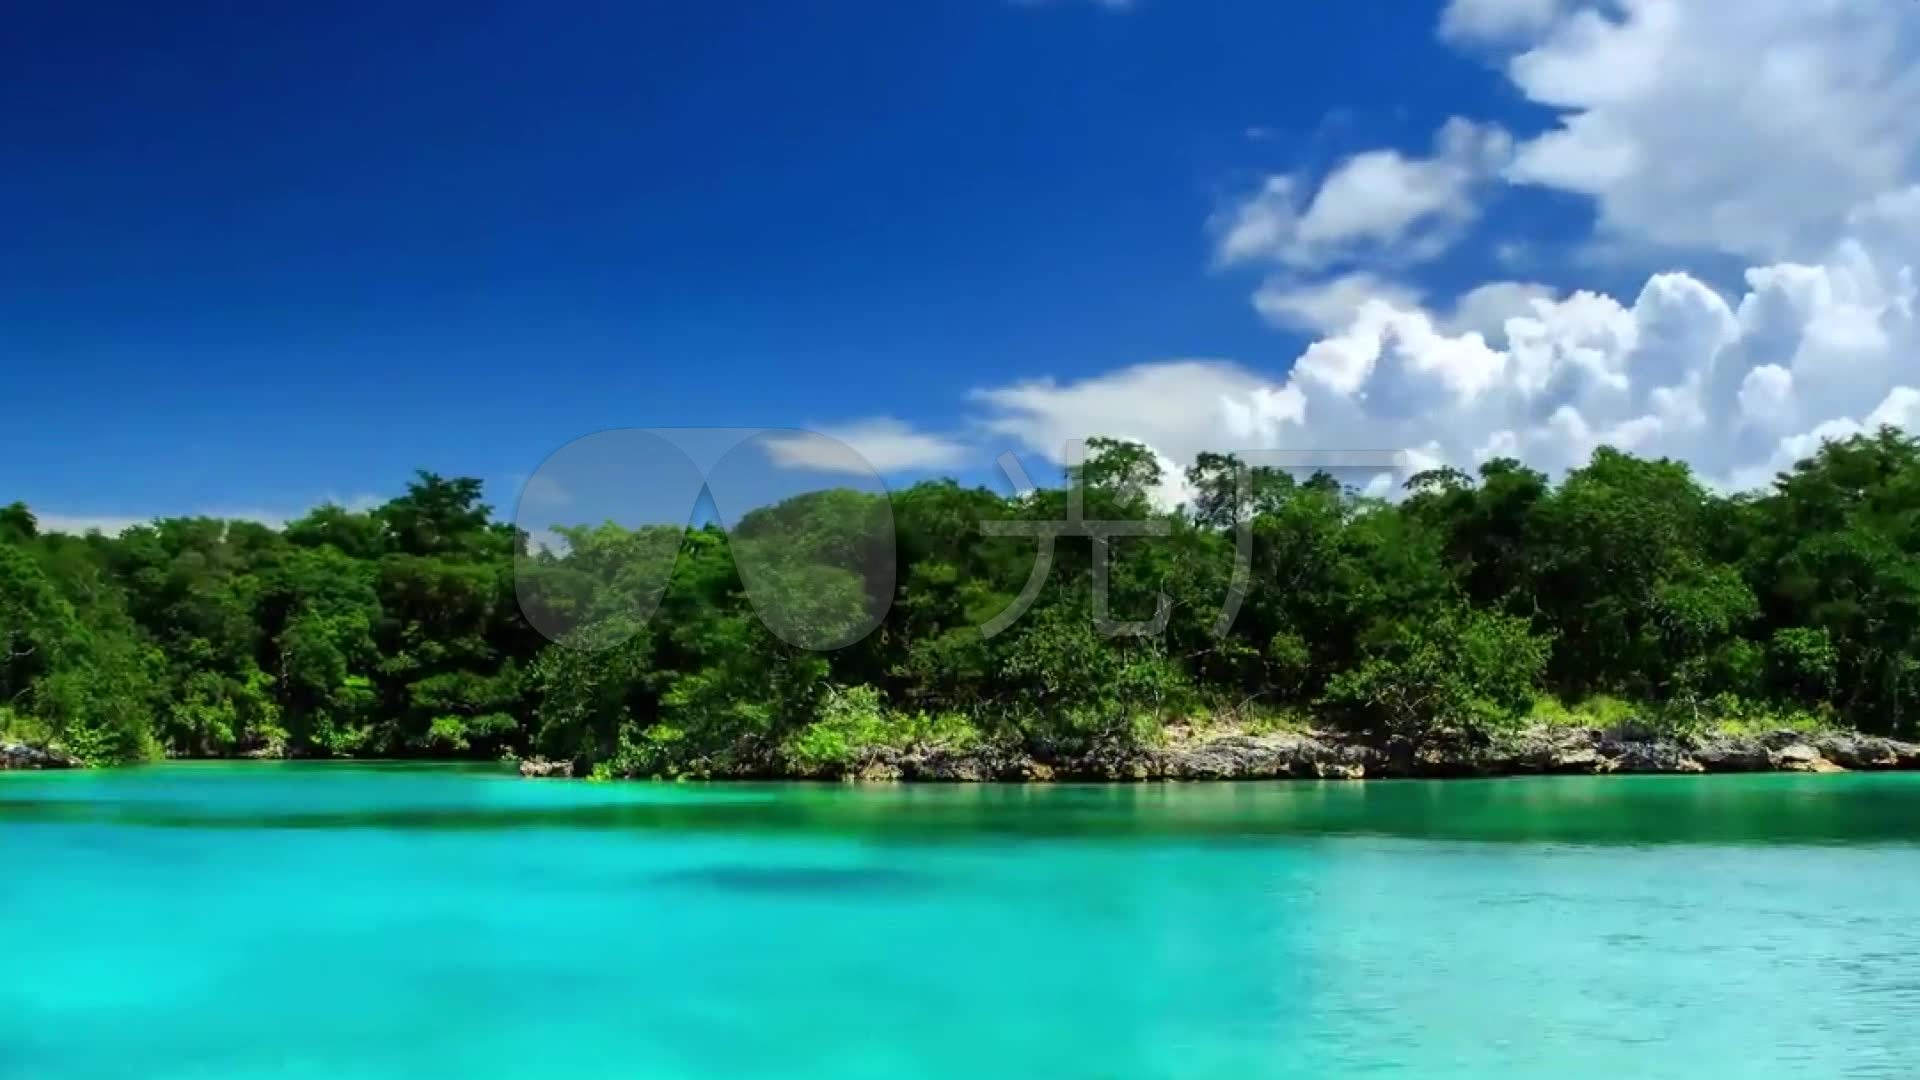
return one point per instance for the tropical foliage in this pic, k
(1465, 604)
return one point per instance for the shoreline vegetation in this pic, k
(1626, 618)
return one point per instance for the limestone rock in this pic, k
(14, 755)
(1853, 751)
(1799, 757)
(1655, 756)
(1733, 755)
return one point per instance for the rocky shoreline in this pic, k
(1328, 756)
(1237, 755)
(15, 755)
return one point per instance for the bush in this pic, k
(1730, 714)
(1601, 711)
(853, 720)
(1070, 686)
(849, 721)
(20, 727)
(1464, 674)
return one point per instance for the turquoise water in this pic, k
(339, 921)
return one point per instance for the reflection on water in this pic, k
(1758, 808)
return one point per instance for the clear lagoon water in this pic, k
(267, 920)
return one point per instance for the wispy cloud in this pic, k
(111, 523)
(880, 444)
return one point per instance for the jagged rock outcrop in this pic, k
(14, 755)
(1236, 757)
(1799, 757)
(1733, 755)
(1202, 755)
(1648, 756)
(1852, 751)
(1544, 749)
(542, 769)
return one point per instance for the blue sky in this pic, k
(256, 258)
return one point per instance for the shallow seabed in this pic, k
(273, 920)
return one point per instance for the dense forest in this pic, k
(1627, 592)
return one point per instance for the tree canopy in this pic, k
(426, 627)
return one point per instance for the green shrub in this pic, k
(1601, 711)
(1465, 673)
(854, 719)
(1729, 714)
(849, 721)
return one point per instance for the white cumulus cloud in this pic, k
(1738, 386)
(1754, 128)
(1374, 202)
(1486, 308)
(1327, 305)
(1781, 133)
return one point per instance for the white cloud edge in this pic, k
(110, 524)
(1374, 204)
(880, 444)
